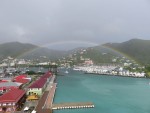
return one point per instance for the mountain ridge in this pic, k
(16, 49)
(136, 48)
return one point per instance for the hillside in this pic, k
(29, 51)
(137, 49)
(98, 54)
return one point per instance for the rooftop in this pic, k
(5, 79)
(9, 84)
(21, 78)
(41, 81)
(12, 96)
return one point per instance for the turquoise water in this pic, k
(110, 94)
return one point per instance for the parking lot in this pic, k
(29, 104)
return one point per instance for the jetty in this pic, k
(50, 97)
(73, 105)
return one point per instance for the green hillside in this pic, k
(100, 54)
(97, 54)
(29, 51)
(137, 49)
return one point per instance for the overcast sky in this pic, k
(64, 24)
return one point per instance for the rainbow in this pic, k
(90, 44)
(56, 44)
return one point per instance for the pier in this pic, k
(50, 97)
(73, 105)
(45, 103)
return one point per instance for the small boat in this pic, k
(66, 72)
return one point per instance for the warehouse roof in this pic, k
(12, 96)
(41, 82)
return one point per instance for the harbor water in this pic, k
(110, 94)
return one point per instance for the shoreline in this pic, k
(115, 75)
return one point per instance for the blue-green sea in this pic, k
(110, 94)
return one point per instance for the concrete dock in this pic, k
(41, 102)
(50, 97)
(75, 105)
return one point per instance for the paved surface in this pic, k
(50, 83)
(50, 97)
(41, 102)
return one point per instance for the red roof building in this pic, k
(21, 76)
(12, 100)
(6, 86)
(38, 86)
(41, 82)
(22, 79)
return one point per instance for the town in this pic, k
(21, 93)
(29, 85)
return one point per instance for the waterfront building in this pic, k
(38, 86)
(88, 62)
(6, 86)
(43, 63)
(22, 62)
(12, 100)
(22, 79)
(4, 64)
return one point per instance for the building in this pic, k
(38, 86)
(5, 80)
(22, 62)
(12, 100)
(6, 86)
(88, 62)
(22, 79)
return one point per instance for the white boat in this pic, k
(76, 69)
(66, 72)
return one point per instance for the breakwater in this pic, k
(75, 105)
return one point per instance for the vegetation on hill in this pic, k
(147, 71)
(137, 49)
(99, 54)
(28, 51)
(15, 49)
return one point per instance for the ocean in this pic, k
(110, 94)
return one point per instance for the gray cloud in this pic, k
(53, 21)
